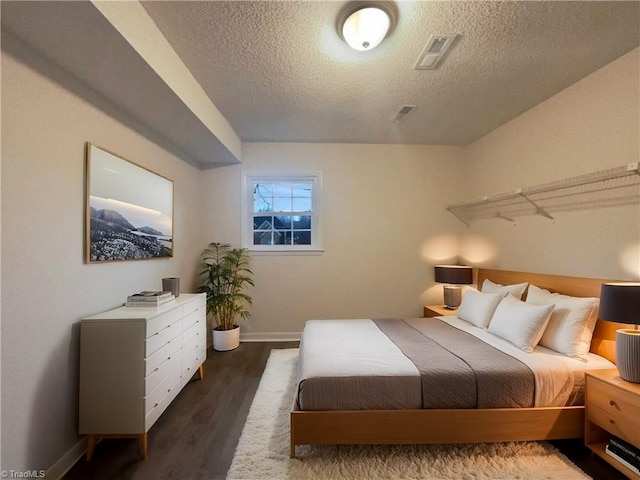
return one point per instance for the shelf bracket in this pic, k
(458, 216)
(508, 219)
(539, 209)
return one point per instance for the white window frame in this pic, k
(249, 178)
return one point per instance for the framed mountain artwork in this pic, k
(129, 210)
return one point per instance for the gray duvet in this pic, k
(458, 370)
(395, 364)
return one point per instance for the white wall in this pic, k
(46, 287)
(384, 225)
(590, 126)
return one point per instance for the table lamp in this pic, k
(620, 303)
(453, 275)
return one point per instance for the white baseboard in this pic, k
(270, 337)
(68, 460)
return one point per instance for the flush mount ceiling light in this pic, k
(363, 25)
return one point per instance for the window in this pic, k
(282, 212)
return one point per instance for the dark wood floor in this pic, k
(197, 435)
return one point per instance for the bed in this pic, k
(409, 422)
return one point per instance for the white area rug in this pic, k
(263, 450)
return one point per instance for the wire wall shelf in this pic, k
(606, 188)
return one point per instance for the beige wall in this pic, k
(590, 126)
(46, 287)
(384, 223)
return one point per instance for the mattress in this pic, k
(355, 365)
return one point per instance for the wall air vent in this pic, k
(403, 112)
(435, 51)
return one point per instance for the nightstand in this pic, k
(612, 407)
(437, 311)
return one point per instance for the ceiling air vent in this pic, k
(435, 50)
(403, 113)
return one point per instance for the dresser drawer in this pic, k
(163, 403)
(192, 360)
(154, 398)
(615, 410)
(193, 331)
(198, 304)
(160, 338)
(170, 360)
(161, 355)
(156, 324)
(197, 342)
(193, 318)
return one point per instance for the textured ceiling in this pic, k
(279, 72)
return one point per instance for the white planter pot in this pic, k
(224, 340)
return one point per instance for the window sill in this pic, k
(310, 251)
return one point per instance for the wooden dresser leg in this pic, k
(142, 443)
(201, 371)
(91, 446)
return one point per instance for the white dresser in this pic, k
(133, 363)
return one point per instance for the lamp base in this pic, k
(628, 354)
(452, 296)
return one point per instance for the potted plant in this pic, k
(224, 276)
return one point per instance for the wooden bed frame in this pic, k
(314, 427)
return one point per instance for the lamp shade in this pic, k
(454, 274)
(620, 302)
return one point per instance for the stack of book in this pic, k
(625, 453)
(149, 299)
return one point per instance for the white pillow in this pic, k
(520, 323)
(516, 289)
(477, 307)
(571, 324)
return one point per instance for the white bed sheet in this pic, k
(352, 365)
(346, 348)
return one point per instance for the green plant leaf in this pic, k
(224, 276)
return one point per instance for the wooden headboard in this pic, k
(603, 342)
